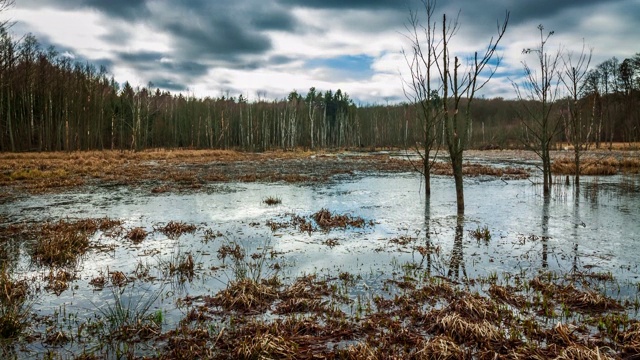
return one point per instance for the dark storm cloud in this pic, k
(127, 9)
(280, 60)
(217, 39)
(348, 4)
(167, 84)
(161, 62)
(201, 34)
(143, 56)
(189, 68)
(205, 35)
(481, 16)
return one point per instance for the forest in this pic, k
(49, 102)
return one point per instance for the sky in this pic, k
(268, 48)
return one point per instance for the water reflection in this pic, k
(456, 264)
(577, 223)
(429, 248)
(545, 230)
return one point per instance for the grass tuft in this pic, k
(272, 200)
(481, 233)
(174, 229)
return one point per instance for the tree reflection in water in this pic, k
(545, 230)
(457, 253)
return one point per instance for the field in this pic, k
(229, 255)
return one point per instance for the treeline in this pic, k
(48, 102)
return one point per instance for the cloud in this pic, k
(246, 46)
(348, 4)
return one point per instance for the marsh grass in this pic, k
(481, 234)
(592, 165)
(245, 295)
(272, 200)
(175, 229)
(326, 220)
(130, 314)
(137, 235)
(58, 281)
(256, 266)
(15, 305)
(61, 243)
(432, 318)
(184, 265)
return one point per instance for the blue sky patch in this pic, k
(350, 66)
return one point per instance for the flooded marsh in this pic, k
(357, 265)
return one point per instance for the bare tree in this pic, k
(541, 88)
(421, 90)
(438, 99)
(573, 76)
(465, 85)
(4, 6)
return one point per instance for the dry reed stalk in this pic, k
(441, 347)
(464, 331)
(507, 296)
(326, 220)
(60, 243)
(175, 229)
(137, 234)
(245, 295)
(266, 346)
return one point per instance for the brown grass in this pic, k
(11, 291)
(266, 346)
(272, 200)
(189, 170)
(137, 234)
(174, 229)
(441, 347)
(580, 300)
(58, 281)
(60, 243)
(245, 296)
(13, 314)
(597, 165)
(326, 220)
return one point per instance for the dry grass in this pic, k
(473, 170)
(631, 339)
(441, 347)
(58, 281)
(174, 229)
(597, 165)
(432, 320)
(580, 300)
(245, 296)
(326, 220)
(137, 234)
(11, 291)
(266, 346)
(60, 244)
(13, 312)
(185, 266)
(190, 170)
(272, 200)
